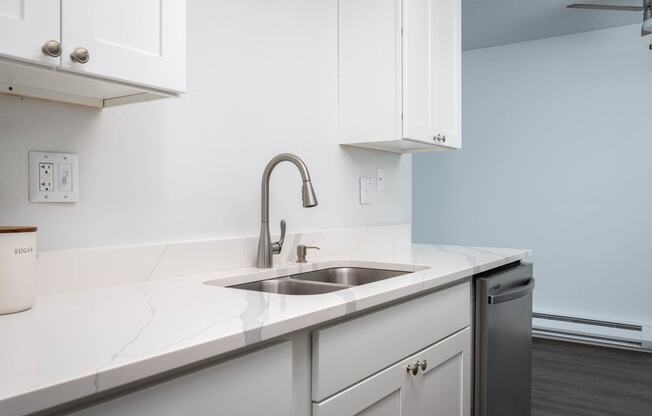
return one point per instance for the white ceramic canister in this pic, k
(17, 268)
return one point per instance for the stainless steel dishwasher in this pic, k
(503, 341)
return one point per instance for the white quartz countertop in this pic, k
(74, 345)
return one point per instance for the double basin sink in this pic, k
(321, 281)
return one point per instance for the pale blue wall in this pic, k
(557, 157)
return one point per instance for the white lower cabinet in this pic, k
(444, 387)
(350, 351)
(384, 394)
(362, 366)
(441, 386)
(258, 383)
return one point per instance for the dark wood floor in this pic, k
(578, 380)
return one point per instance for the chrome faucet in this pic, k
(267, 249)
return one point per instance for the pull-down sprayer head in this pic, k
(308, 195)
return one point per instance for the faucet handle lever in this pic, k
(278, 246)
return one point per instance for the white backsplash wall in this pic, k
(62, 271)
(262, 79)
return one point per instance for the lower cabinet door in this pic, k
(444, 387)
(433, 382)
(258, 383)
(384, 394)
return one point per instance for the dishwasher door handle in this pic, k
(512, 294)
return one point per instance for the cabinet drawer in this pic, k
(346, 353)
(258, 383)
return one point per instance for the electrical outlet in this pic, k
(45, 177)
(53, 177)
(366, 191)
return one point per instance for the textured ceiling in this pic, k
(497, 22)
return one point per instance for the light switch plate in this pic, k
(380, 179)
(366, 190)
(53, 177)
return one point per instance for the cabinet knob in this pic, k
(414, 369)
(443, 138)
(437, 138)
(51, 48)
(80, 55)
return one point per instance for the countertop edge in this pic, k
(87, 385)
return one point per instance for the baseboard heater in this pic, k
(594, 332)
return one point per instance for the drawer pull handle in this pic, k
(424, 365)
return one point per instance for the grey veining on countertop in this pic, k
(75, 344)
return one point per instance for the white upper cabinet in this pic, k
(432, 61)
(400, 74)
(369, 71)
(134, 41)
(103, 52)
(25, 26)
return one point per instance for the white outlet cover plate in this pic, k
(65, 177)
(366, 190)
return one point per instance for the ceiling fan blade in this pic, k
(606, 7)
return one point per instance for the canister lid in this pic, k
(9, 230)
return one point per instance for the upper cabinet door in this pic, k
(142, 42)
(432, 71)
(369, 43)
(25, 26)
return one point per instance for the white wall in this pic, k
(262, 80)
(557, 158)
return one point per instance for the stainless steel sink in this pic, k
(288, 286)
(320, 281)
(350, 276)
